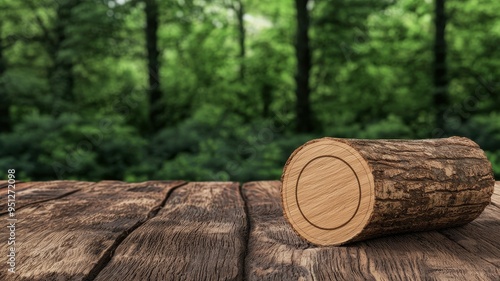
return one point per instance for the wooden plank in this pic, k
(19, 185)
(425, 256)
(367, 188)
(37, 192)
(74, 236)
(481, 237)
(275, 252)
(3, 183)
(198, 235)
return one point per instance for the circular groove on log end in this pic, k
(328, 192)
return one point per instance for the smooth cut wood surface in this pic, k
(221, 231)
(70, 237)
(328, 192)
(337, 191)
(276, 253)
(198, 235)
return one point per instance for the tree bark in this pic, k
(154, 91)
(337, 191)
(441, 100)
(240, 14)
(304, 64)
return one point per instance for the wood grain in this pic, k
(480, 237)
(3, 183)
(425, 256)
(73, 236)
(37, 192)
(275, 252)
(19, 186)
(198, 235)
(337, 191)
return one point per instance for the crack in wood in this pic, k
(44, 200)
(4, 183)
(246, 236)
(109, 253)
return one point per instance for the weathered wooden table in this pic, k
(173, 230)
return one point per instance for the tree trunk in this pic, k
(5, 123)
(266, 91)
(240, 14)
(155, 94)
(62, 81)
(441, 101)
(303, 54)
(337, 191)
(61, 77)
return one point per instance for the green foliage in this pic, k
(215, 145)
(73, 82)
(485, 130)
(44, 147)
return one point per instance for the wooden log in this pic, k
(337, 191)
(3, 184)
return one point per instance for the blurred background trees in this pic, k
(226, 89)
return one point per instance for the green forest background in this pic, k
(226, 89)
